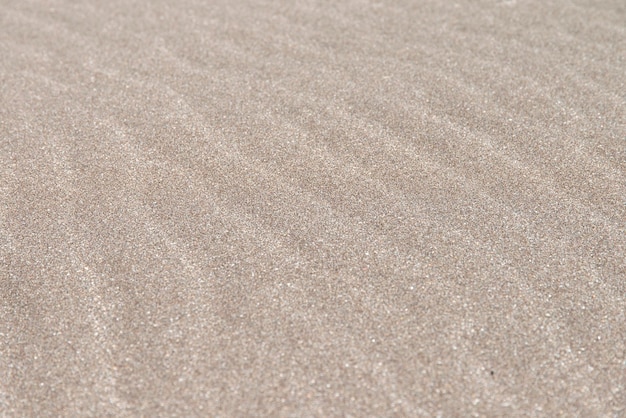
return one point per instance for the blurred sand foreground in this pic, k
(312, 208)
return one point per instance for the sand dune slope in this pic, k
(292, 208)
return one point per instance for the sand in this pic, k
(312, 208)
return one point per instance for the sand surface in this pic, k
(312, 208)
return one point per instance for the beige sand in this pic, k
(294, 208)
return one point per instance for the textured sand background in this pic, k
(312, 208)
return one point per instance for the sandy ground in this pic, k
(312, 208)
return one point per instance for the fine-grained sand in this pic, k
(312, 208)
